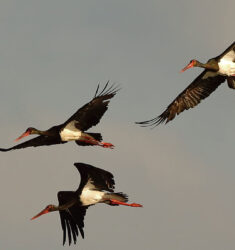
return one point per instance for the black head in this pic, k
(29, 131)
(49, 208)
(192, 63)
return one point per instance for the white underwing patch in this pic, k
(226, 67)
(227, 64)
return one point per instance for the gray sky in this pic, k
(53, 55)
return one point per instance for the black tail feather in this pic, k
(116, 196)
(97, 136)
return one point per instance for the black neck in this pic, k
(53, 131)
(210, 65)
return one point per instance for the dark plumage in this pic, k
(207, 82)
(86, 117)
(96, 186)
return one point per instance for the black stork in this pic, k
(74, 128)
(217, 70)
(96, 186)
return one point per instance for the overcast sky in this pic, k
(53, 54)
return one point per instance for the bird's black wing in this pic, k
(199, 89)
(72, 219)
(36, 142)
(99, 178)
(90, 114)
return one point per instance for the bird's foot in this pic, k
(116, 202)
(106, 145)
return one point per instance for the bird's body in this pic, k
(217, 70)
(90, 196)
(96, 186)
(74, 129)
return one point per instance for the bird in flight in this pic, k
(217, 70)
(74, 128)
(96, 186)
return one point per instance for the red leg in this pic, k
(125, 204)
(92, 142)
(95, 142)
(106, 145)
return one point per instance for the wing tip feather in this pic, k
(153, 122)
(108, 90)
(5, 149)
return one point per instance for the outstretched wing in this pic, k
(36, 142)
(90, 114)
(99, 178)
(199, 89)
(72, 219)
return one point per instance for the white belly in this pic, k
(90, 197)
(70, 135)
(226, 67)
(70, 132)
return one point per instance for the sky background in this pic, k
(53, 54)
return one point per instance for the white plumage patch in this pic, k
(230, 56)
(227, 64)
(89, 195)
(70, 132)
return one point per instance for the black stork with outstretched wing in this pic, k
(217, 70)
(74, 128)
(96, 186)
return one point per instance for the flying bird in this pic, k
(217, 70)
(96, 186)
(74, 128)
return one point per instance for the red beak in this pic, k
(23, 135)
(44, 211)
(190, 65)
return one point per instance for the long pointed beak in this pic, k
(44, 211)
(190, 65)
(23, 135)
